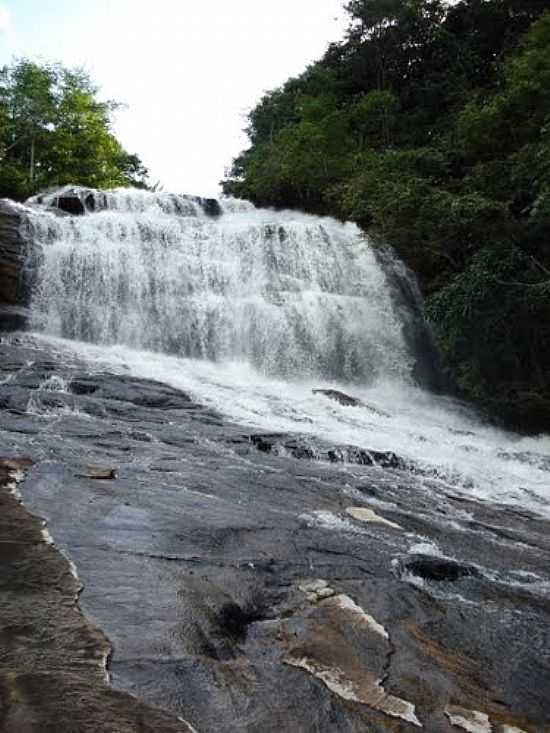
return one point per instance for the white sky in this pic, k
(188, 70)
(4, 18)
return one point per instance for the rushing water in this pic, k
(250, 310)
(290, 294)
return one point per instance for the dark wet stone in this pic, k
(438, 569)
(347, 401)
(383, 459)
(211, 207)
(311, 449)
(75, 201)
(13, 318)
(340, 397)
(427, 371)
(235, 620)
(140, 392)
(17, 265)
(367, 490)
(71, 204)
(97, 473)
(83, 386)
(265, 443)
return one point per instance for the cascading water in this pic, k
(221, 420)
(290, 294)
(250, 310)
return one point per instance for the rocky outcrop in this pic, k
(348, 401)
(211, 207)
(428, 372)
(340, 397)
(16, 266)
(247, 582)
(76, 201)
(73, 200)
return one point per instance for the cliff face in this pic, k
(17, 260)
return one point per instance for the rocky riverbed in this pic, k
(234, 580)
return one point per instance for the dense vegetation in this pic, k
(429, 125)
(54, 130)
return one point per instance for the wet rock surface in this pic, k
(16, 265)
(53, 660)
(348, 401)
(341, 397)
(244, 581)
(72, 200)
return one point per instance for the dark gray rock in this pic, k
(13, 317)
(14, 266)
(75, 200)
(211, 207)
(230, 580)
(312, 449)
(438, 569)
(340, 397)
(52, 675)
(348, 401)
(427, 371)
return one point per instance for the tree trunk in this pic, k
(31, 172)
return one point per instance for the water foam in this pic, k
(291, 294)
(456, 450)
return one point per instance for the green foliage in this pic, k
(429, 125)
(496, 328)
(373, 117)
(54, 130)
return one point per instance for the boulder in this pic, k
(438, 569)
(211, 207)
(347, 401)
(75, 200)
(340, 397)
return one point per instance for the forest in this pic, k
(429, 126)
(55, 131)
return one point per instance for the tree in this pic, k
(56, 131)
(28, 96)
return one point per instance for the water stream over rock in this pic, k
(225, 422)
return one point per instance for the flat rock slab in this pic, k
(53, 676)
(239, 579)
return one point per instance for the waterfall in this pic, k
(292, 295)
(250, 312)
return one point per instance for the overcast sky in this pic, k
(187, 69)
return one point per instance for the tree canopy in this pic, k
(429, 125)
(54, 130)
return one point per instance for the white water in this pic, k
(289, 293)
(434, 433)
(274, 305)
